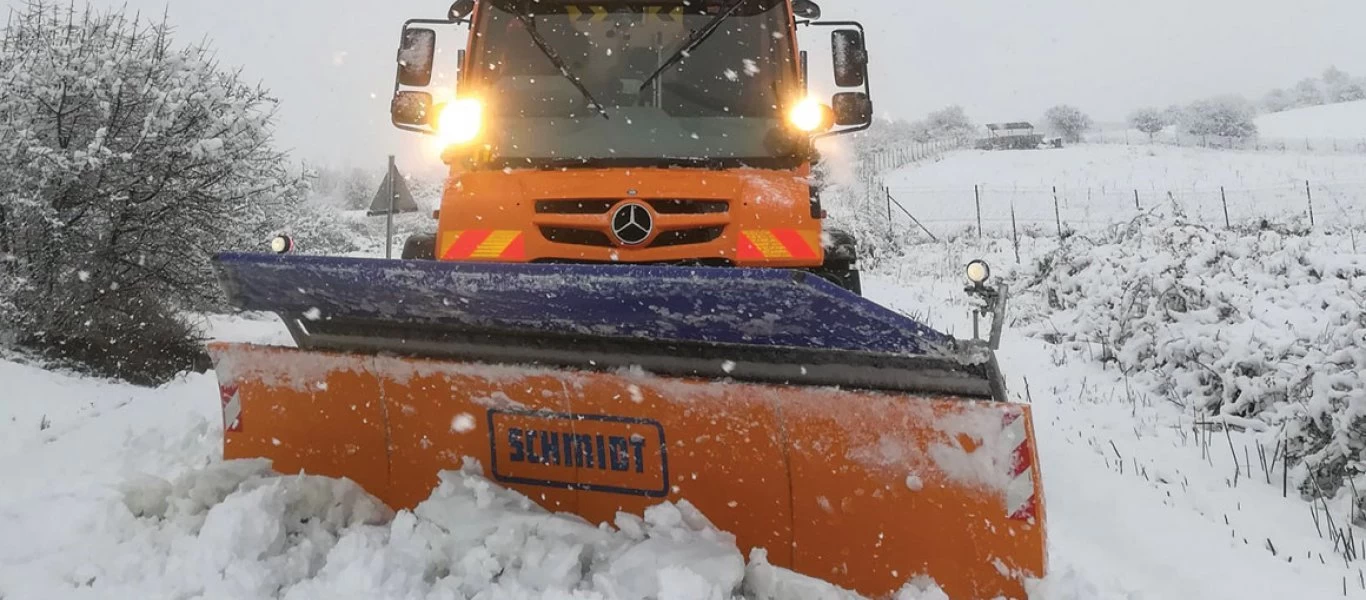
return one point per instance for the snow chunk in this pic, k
(463, 423)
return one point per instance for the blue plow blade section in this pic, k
(610, 314)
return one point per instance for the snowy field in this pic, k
(1345, 120)
(1097, 185)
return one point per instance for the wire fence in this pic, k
(996, 211)
(1257, 144)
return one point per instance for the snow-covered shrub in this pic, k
(1148, 120)
(1224, 116)
(1266, 324)
(1068, 121)
(125, 163)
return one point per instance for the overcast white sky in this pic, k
(331, 63)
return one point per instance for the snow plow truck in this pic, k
(629, 297)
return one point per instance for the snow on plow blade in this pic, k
(852, 443)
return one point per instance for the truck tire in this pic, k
(420, 246)
(841, 261)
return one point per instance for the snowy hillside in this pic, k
(1345, 120)
(1099, 185)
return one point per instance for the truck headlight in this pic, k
(810, 115)
(460, 121)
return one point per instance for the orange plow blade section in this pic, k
(863, 489)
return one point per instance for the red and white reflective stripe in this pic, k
(1021, 502)
(232, 408)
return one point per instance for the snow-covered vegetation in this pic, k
(1255, 328)
(126, 161)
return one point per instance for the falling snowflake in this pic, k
(313, 314)
(732, 75)
(751, 67)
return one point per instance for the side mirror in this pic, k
(416, 54)
(806, 9)
(850, 57)
(460, 9)
(411, 108)
(852, 108)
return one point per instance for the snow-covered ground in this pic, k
(1344, 120)
(1097, 184)
(124, 495)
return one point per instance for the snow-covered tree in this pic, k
(1068, 121)
(1308, 93)
(1278, 100)
(948, 123)
(125, 163)
(1340, 87)
(1223, 116)
(1148, 120)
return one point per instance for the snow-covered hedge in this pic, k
(1266, 324)
(126, 162)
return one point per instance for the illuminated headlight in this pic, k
(810, 115)
(281, 244)
(978, 272)
(460, 121)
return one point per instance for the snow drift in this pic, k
(238, 530)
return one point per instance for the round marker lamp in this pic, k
(978, 272)
(281, 244)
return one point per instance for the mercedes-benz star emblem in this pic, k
(632, 224)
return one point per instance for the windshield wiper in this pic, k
(698, 36)
(559, 62)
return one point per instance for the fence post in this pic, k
(887, 191)
(1014, 232)
(1310, 196)
(977, 193)
(1056, 213)
(1223, 197)
(1136, 206)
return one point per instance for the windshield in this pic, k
(722, 100)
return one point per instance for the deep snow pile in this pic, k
(238, 530)
(1262, 329)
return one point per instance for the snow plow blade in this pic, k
(852, 443)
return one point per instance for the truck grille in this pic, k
(574, 207)
(577, 234)
(663, 206)
(688, 207)
(577, 237)
(683, 237)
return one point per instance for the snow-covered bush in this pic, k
(1224, 116)
(1266, 324)
(1068, 121)
(125, 163)
(1148, 120)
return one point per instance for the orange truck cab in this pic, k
(633, 131)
